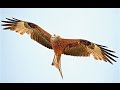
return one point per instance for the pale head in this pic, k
(55, 38)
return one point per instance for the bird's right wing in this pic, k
(85, 48)
(36, 32)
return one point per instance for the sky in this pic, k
(22, 60)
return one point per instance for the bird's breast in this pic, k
(58, 46)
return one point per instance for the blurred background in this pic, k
(22, 60)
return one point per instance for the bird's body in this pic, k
(73, 47)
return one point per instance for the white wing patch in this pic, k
(97, 53)
(20, 28)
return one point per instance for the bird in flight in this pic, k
(73, 47)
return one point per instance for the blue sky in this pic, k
(24, 60)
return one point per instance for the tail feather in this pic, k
(57, 63)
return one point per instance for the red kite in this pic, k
(73, 47)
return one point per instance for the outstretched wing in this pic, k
(85, 48)
(36, 32)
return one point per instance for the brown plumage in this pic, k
(36, 32)
(73, 47)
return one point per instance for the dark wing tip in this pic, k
(6, 21)
(6, 28)
(9, 22)
(13, 20)
(6, 24)
(108, 54)
(107, 50)
(101, 45)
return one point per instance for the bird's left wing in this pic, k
(36, 32)
(85, 48)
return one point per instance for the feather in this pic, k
(7, 21)
(11, 20)
(73, 47)
(107, 50)
(36, 32)
(16, 19)
(6, 28)
(6, 25)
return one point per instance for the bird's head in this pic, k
(55, 38)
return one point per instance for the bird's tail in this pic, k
(57, 63)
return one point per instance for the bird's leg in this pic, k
(57, 63)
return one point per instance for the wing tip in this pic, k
(6, 27)
(9, 22)
(101, 45)
(107, 54)
(12, 20)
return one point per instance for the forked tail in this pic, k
(57, 63)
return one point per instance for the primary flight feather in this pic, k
(73, 47)
(36, 32)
